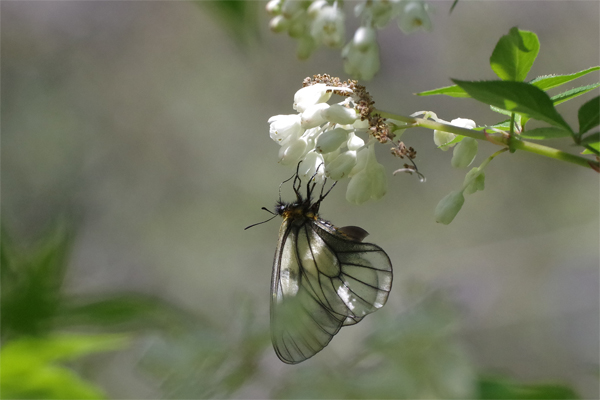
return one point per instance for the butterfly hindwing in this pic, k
(322, 280)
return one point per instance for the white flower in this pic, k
(331, 140)
(378, 11)
(313, 116)
(309, 166)
(362, 60)
(339, 114)
(311, 95)
(354, 142)
(292, 150)
(328, 26)
(341, 165)
(369, 182)
(441, 138)
(282, 126)
(414, 16)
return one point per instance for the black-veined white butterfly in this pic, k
(323, 277)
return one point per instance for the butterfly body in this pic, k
(323, 278)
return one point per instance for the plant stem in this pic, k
(497, 139)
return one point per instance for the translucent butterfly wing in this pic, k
(322, 280)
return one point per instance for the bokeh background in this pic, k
(144, 126)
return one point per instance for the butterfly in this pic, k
(323, 277)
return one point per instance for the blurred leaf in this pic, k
(514, 55)
(454, 3)
(28, 369)
(33, 281)
(412, 356)
(122, 310)
(497, 388)
(572, 93)
(452, 91)
(518, 97)
(545, 133)
(550, 81)
(589, 115)
(206, 361)
(238, 17)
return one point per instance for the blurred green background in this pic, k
(143, 125)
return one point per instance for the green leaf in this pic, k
(589, 115)
(518, 97)
(239, 17)
(28, 368)
(58, 347)
(495, 388)
(125, 310)
(545, 133)
(32, 294)
(452, 91)
(453, 5)
(550, 81)
(592, 143)
(514, 55)
(572, 93)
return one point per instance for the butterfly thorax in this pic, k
(298, 211)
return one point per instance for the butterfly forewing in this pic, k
(322, 280)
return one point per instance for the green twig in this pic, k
(500, 139)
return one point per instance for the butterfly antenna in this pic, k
(267, 220)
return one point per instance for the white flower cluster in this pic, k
(323, 137)
(318, 22)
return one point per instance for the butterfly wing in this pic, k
(322, 280)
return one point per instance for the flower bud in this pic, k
(312, 165)
(273, 7)
(279, 24)
(449, 206)
(464, 153)
(441, 139)
(474, 181)
(339, 114)
(369, 182)
(354, 142)
(291, 151)
(331, 140)
(341, 166)
(364, 37)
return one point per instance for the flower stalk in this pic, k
(498, 139)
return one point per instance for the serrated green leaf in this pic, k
(452, 91)
(572, 93)
(550, 81)
(514, 55)
(518, 97)
(589, 115)
(545, 133)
